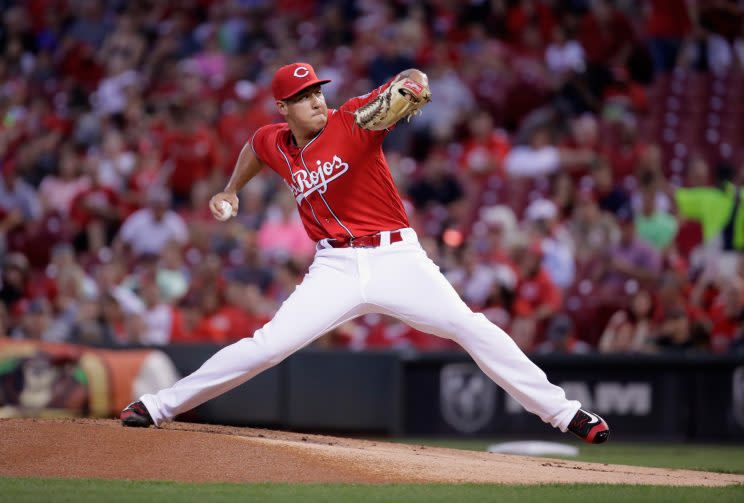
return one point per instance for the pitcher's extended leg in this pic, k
(409, 286)
(328, 296)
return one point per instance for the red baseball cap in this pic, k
(291, 79)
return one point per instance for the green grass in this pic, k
(82, 491)
(715, 458)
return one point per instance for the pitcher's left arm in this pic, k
(406, 95)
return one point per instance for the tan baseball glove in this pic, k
(403, 98)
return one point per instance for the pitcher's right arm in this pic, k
(247, 166)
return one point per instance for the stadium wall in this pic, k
(669, 397)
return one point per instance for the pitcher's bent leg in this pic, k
(412, 289)
(229, 367)
(502, 360)
(326, 298)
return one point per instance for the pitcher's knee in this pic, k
(275, 357)
(447, 328)
(272, 349)
(472, 325)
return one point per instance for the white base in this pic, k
(534, 448)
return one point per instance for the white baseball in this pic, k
(225, 211)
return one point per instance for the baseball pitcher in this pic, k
(368, 258)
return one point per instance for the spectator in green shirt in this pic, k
(718, 209)
(653, 225)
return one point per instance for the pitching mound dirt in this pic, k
(84, 448)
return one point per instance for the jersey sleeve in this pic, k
(260, 143)
(354, 103)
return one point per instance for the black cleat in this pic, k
(589, 427)
(135, 414)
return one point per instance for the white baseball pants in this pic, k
(394, 279)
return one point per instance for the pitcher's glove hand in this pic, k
(403, 98)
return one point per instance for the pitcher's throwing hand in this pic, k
(224, 205)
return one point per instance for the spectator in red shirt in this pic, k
(95, 216)
(191, 152)
(244, 307)
(727, 317)
(606, 34)
(536, 300)
(248, 112)
(200, 323)
(526, 14)
(421, 341)
(223, 321)
(484, 151)
(607, 38)
(186, 317)
(667, 24)
(147, 173)
(624, 153)
(376, 332)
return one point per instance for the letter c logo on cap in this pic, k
(301, 72)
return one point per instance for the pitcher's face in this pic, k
(306, 109)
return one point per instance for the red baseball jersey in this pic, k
(340, 179)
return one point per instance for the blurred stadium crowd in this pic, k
(577, 176)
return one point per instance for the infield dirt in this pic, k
(103, 449)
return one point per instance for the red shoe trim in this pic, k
(602, 426)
